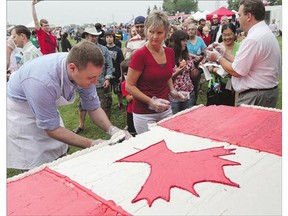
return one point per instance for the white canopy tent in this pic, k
(197, 15)
(200, 15)
(205, 13)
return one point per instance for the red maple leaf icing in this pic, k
(182, 170)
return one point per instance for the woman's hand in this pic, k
(159, 104)
(180, 68)
(179, 95)
(212, 70)
(197, 59)
(212, 55)
(182, 64)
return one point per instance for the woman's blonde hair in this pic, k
(192, 25)
(155, 20)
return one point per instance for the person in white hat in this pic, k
(90, 30)
(103, 85)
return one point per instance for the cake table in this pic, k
(214, 160)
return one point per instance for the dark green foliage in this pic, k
(172, 6)
(233, 4)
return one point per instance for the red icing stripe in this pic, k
(247, 127)
(49, 193)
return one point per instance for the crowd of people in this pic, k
(155, 74)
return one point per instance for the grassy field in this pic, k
(118, 118)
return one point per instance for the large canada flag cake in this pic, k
(214, 160)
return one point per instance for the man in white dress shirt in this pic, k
(256, 67)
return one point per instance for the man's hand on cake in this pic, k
(118, 135)
(97, 142)
(159, 104)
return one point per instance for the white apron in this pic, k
(27, 145)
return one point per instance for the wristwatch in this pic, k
(218, 59)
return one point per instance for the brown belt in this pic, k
(253, 89)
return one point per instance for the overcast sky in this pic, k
(60, 12)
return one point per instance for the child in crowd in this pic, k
(117, 57)
(206, 36)
(128, 97)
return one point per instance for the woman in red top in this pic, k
(149, 75)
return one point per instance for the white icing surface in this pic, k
(259, 177)
(68, 157)
(261, 108)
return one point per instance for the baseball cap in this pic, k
(90, 30)
(139, 20)
(215, 16)
(118, 33)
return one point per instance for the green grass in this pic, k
(118, 118)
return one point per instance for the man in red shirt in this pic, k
(201, 24)
(47, 41)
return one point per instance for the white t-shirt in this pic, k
(133, 44)
(258, 60)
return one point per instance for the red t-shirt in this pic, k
(154, 78)
(47, 42)
(207, 39)
(124, 94)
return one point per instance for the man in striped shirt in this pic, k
(137, 41)
(21, 36)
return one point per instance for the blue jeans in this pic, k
(178, 106)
